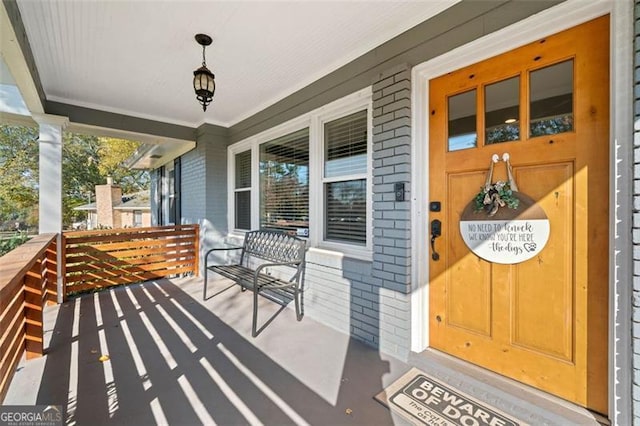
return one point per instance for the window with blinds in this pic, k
(243, 190)
(284, 184)
(345, 179)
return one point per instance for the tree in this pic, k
(86, 161)
(113, 153)
(18, 175)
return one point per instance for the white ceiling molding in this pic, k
(137, 58)
(16, 64)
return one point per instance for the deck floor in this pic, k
(176, 359)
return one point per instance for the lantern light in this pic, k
(204, 82)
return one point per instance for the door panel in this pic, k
(547, 301)
(543, 321)
(469, 281)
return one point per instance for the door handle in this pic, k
(436, 231)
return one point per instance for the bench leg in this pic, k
(204, 291)
(297, 294)
(254, 326)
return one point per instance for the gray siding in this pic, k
(636, 223)
(456, 26)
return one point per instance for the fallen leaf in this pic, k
(103, 358)
(348, 411)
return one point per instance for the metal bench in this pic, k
(270, 260)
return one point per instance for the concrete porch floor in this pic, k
(174, 359)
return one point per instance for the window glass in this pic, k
(172, 196)
(345, 145)
(243, 170)
(462, 121)
(502, 111)
(345, 173)
(137, 218)
(243, 210)
(284, 184)
(243, 190)
(551, 104)
(346, 207)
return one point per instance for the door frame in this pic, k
(553, 20)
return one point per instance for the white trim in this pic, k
(232, 151)
(314, 121)
(360, 252)
(52, 120)
(550, 21)
(166, 195)
(17, 64)
(129, 113)
(620, 206)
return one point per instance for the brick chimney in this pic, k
(107, 197)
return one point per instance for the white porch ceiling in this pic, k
(137, 57)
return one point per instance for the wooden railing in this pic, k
(28, 277)
(90, 260)
(103, 258)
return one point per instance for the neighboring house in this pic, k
(373, 163)
(114, 210)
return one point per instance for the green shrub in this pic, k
(9, 243)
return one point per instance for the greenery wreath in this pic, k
(491, 197)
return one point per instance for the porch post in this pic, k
(50, 181)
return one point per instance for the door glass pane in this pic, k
(551, 97)
(462, 121)
(502, 111)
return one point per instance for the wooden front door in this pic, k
(543, 321)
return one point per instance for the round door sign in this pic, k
(511, 237)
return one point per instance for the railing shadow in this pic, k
(173, 361)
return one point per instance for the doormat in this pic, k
(423, 400)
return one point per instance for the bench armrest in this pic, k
(206, 256)
(296, 263)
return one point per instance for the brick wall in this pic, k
(108, 196)
(193, 184)
(392, 219)
(370, 300)
(204, 187)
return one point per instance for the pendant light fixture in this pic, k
(204, 82)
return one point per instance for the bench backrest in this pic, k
(274, 246)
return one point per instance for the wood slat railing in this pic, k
(103, 258)
(28, 277)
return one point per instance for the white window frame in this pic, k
(337, 111)
(314, 121)
(232, 151)
(137, 214)
(165, 193)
